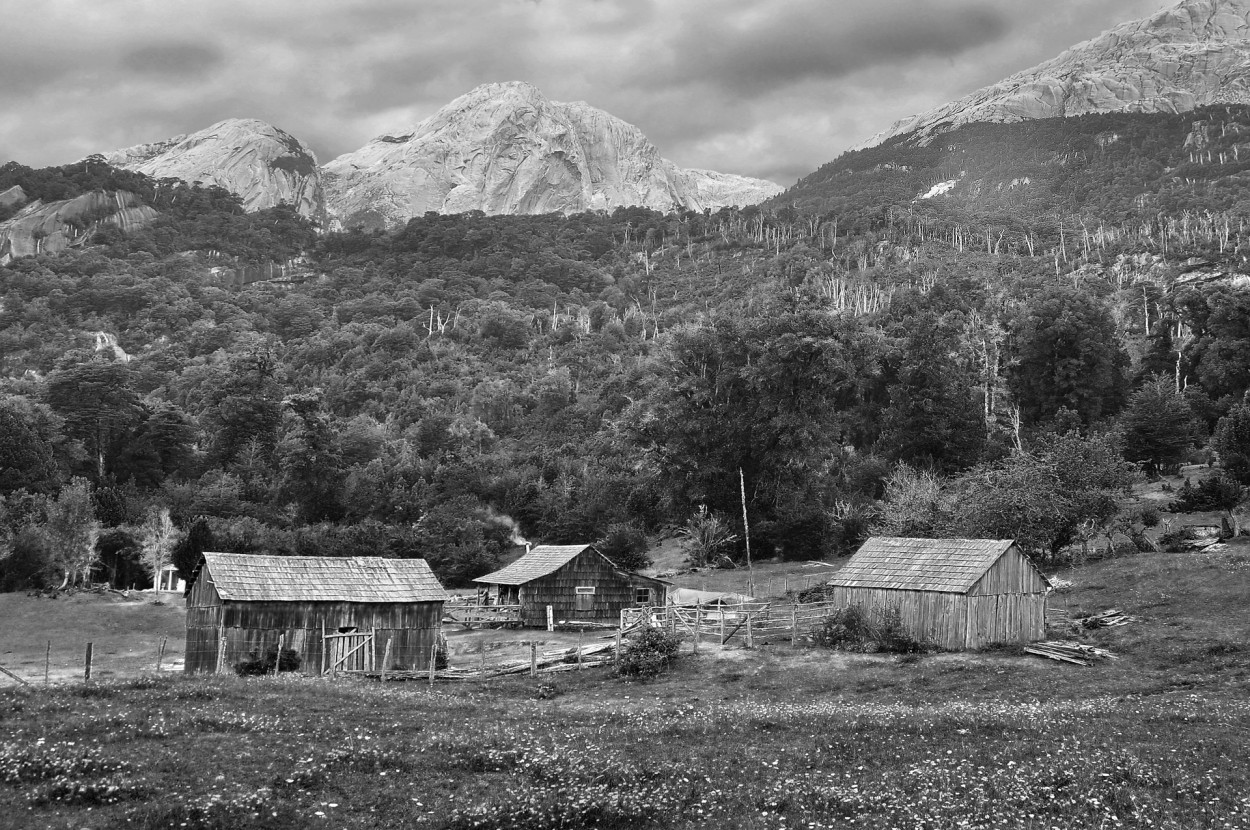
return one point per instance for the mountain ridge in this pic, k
(1188, 55)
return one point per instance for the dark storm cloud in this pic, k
(177, 60)
(820, 41)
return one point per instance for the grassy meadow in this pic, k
(775, 737)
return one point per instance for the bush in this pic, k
(649, 654)
(854, 629)
(626, 546)
(1219, 492)
(257, 665)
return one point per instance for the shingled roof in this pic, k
(944, 565)
(239, 576)
(538, 561)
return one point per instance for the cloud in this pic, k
(176, 60)
(751, 54)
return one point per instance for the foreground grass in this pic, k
(774, 738)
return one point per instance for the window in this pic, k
(585, 589)
(642, 596)
(585, 598)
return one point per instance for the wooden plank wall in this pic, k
(1006, 618)
(1013, 573)
(204, 610)
(613, 591)
(927, 615)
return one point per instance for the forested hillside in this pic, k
(999, 359)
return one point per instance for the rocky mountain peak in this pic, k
(263, 164)
(505, 148)
(1188, 55)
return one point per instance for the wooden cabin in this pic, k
(577, 581)
(238, 604)
(956, 593)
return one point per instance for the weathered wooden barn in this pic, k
(955, 593)
(577, 581)
(238, 604)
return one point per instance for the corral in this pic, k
(239, 605)
(955, 593)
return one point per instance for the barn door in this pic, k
(585, 599)
(351, 651)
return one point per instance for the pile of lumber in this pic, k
(1068, 651)
(1110, 618)
(546, 662)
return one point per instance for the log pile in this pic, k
(1069, 651)
(1110, 618)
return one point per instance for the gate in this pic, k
(348, 652)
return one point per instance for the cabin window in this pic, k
(347, 629)
(642, 596)
(585, 589)
(585, 597)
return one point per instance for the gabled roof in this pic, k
(538, 561)
(944, 565)
(240, 576)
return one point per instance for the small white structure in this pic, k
(169, 580)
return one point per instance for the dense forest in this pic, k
(1066, 312)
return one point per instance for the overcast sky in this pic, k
(770, 88)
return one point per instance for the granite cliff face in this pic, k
(47, 228)
(507, 149)
(1189, 55)
(257, 161)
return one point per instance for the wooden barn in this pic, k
(336, 613)
(956, 593)
(577, 581)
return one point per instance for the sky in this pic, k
(768, 88)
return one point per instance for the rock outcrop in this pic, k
(507, 149)
(260, 163)
(1190, 55)
(48, 228)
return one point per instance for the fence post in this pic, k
(551, 619)
(794, 625)
(86, 675)
(698, 613)
(386, 658)
(722, 625)
(325, 656)
(47, 662)
(220, 668)
(579, 649)
(533, 659)
(750, 639)
(621, 631)
(160, 654)
(277, 657)
(433, 661)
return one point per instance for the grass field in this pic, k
(775, 737)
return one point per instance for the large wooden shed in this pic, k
(238, 604)
(577, 581)
(955, 593)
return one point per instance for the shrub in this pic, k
(257, 665)
(649, 654)
(1219, 492)
(854, 629)
(626, 546)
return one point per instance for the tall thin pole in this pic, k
(746, 528)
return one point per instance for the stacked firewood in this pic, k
(1069, 651)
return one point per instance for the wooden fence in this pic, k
(483, 615)
(746, 623)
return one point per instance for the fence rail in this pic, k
(749, 622)
(471, 615)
